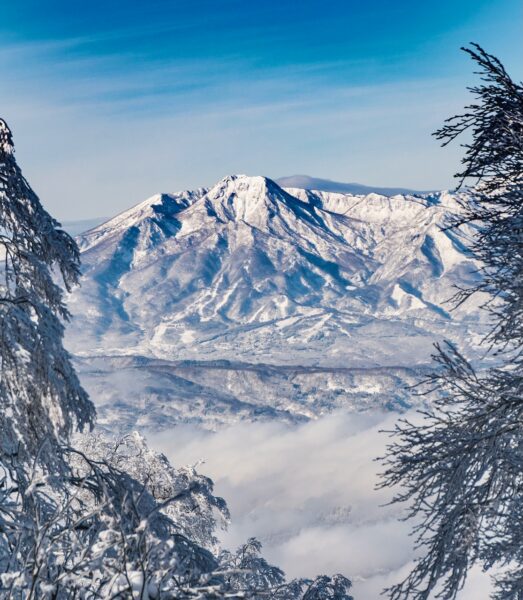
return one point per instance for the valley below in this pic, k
(145, 393)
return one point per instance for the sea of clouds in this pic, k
(308, 492)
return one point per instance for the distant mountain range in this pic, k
(277, 275)
(75, 228)
(249, 273)
(326, 185)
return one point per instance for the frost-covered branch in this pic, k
(460, 469)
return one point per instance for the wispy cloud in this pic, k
(125, 81)
(107, 111)
(89, 145)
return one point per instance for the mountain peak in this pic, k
(242, 182)
(152, 211)
(246, 198)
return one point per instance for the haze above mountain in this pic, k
(75, 228)
(326, 185)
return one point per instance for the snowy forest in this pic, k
(87, 515)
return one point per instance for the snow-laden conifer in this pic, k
(41, 399)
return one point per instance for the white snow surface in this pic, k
(249, 271)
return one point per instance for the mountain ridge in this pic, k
(247, 301)
(246, 265)
(79, 227)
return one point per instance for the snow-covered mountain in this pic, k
(248, 269)
(248, 272)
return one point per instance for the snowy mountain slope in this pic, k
(287, 277)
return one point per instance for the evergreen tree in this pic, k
(41, 400)
(461, 469)
(104, 519)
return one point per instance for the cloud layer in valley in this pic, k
(308, 492)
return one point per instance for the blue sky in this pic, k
(111, 102)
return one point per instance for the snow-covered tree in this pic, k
(494, 159)
(460, 470)
(100, 535)
(41, 399)
(247, 572)
(103, 518)
(197, 512)
(104, 534)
